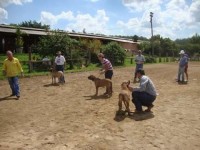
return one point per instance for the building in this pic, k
(31, 36)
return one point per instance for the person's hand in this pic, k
(102, 72)
(4, 72)
(22, 74)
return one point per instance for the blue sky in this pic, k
(171, 18)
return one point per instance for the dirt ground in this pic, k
(69, 117)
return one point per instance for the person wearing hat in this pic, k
(145, 94)
(107, 68)
(60, 64)
(186, 67)
(139, 60)
(182, 64)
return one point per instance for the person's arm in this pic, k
(143, 84)
(4, 69)
(64, 62)
(143, 58)
(20, 68)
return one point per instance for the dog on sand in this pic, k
(124, 97)
(102, 83)
(56, 74)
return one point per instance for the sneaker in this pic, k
(17, 97)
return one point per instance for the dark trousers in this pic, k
(142, 99)
(109, 74)
(61, 68)
(138, 66)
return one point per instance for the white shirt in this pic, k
(146, 85)
(60, 60)
(139, 59)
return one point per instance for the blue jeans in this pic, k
(14, 85)
(181, 73)
(142, 99)
(138, 66)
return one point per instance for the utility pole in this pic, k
(152, 47)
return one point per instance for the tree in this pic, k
(115, 53)
(19, 42)
(59, 40)
(34, 24)
(54, 41)
(135, 38)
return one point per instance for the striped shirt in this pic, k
(106, 64)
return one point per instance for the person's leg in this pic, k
(136, 99)
(148, 101)
(138, 66)
(182, 73)
(10, 81)
(186, 72)
(109, 74)
(61, 68)
(63, 78)
(179, 74)
(16, 86)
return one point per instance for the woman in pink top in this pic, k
(107, 66)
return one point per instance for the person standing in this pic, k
(60, 64)
(11, 69)
(145, 94)
(186, 66)
(182, 64)
(139, 60)
(107, 68)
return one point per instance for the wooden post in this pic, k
(30, 60)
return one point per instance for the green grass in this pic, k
(24, 57)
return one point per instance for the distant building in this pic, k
(31, 36)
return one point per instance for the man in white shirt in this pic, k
(60, 64)
(139, 60)
(145, 94)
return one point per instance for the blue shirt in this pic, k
(183, 61)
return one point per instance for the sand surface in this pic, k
(69, 117)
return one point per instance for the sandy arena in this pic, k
(69, 117)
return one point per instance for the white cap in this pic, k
(182, 52)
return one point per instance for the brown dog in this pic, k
(124, 96)
(102, 83)
(55, 74)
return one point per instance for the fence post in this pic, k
(30, 60)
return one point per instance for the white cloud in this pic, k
(4, 3)
(3, 14)
(96, 24)
(195, 11)
(170, 17)
(92, 24)
(50, 19)
(141, 5)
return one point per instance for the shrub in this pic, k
(115, 53)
